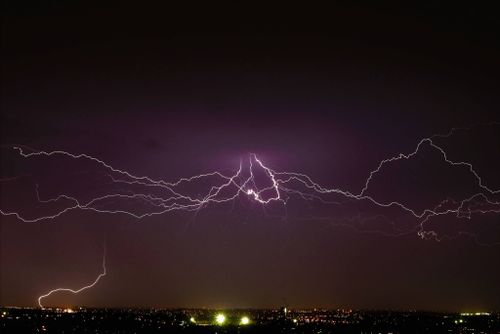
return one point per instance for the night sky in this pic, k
(175, 92)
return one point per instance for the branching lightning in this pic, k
(161, 197)
(244, 183)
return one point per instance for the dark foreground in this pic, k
(82, 320)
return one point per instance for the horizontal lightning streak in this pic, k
(179, 201)
(225, 188)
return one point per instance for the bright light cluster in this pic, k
(220, 319)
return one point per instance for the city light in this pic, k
(220, 319)
(262, 321)
(467, 314)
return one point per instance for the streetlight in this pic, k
(220, 319)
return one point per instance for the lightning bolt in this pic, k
(76, 291)
(160, 196)
(175, 200)
(178, 201)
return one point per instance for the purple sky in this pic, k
(370, 83)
